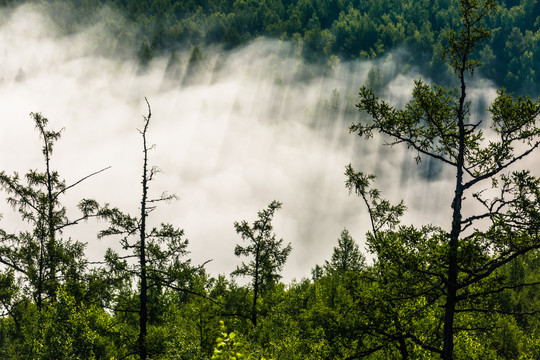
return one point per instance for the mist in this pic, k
(249, 128)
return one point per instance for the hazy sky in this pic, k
(242, 136)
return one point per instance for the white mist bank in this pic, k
(247, 133)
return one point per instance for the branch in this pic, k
(476, 276)
(365, 353)
(423, 344)
(75, 222)
(472, 126)
(12, 265)
(480, 328)
(97, 263)
(498, 290)
(121, 310)
(412, 144)
(164, 197)
(502, 312)
(187, 291)
(499, 168)
(15, 188)
(79, 181)
(128, 256)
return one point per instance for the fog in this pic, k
(248, 129)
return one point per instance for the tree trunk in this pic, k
(452, 274)
(143, 295)
(255, 287)
(403, 349)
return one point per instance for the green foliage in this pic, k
(228, 347)
(197, 63)
(158, 250)
(268, 256)
(452, 271)
(346, 28)
(41, 259)
(346, 256)
(145, 54)
(375, 79)
(381, 212)
(66, 331)
(397, 306)
(462, 43)
(63, 330)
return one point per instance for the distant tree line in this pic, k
(326, 30)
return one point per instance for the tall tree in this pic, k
(386, 329)
(267, 255)
(436, 123)
(40, 255)
(158, 251)
(346, 256)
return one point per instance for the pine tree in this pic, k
(40, 256)
(267, 255)
(455, 269)
(346, 256)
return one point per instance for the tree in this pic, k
(158, 250)
(196, 66)
(65, 331)
(228, 347)
(145, 54)
(267, 254)
(39, 255)
(461, 264)
(346, 256)
(391, 321)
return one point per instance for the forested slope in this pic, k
(323, 29)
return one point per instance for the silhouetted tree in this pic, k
(452, 268)
(40, 255)
(267, 255)
(158, 250)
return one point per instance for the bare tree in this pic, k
(158, 251)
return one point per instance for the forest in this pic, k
(470, 290)
(327, 31)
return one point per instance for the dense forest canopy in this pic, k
(325, 31)
(465, 290)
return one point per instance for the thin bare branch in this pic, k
(80, 181)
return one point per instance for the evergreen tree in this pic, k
(346, 256)
(454, 270)
(158, 250)
(267, 255)
(40, 256)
